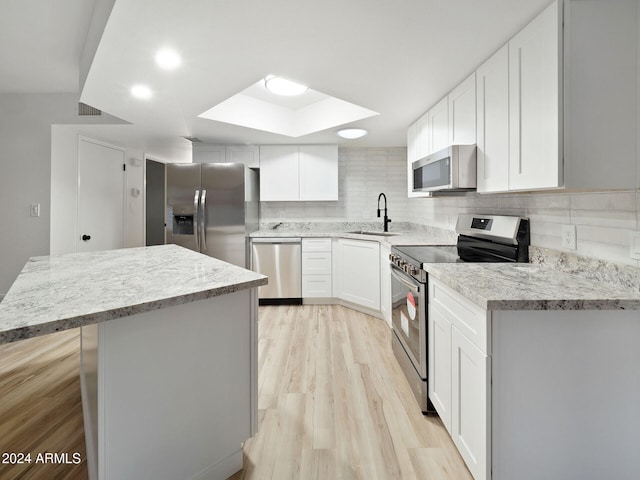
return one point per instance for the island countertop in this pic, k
(523, 286)
(59, 292)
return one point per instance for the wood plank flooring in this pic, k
(333, 404)
(40, 406)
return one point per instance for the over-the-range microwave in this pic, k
(451, 169)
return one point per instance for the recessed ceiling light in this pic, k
(282, 86)
(168, 59)
(352, 133)
(141, 91)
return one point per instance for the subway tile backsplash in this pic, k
(603, 220)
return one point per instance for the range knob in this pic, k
(410, 269)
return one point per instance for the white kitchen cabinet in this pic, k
(439, 384)
(359, 280)
(204, 153)
(298, 173)
(462, 113)
(316, 268)
(459, 374)
(470, 407)
(247, 154)
(492, 152)
(423, 136)
(439, 126)
(535, 161)
(279, 173)
(385, 283)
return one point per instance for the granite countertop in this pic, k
(395, 237)
(60, 292)
(523, 286)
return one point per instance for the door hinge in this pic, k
(124, 167)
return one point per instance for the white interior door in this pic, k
(101, 181)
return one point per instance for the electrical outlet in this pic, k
(634, 250)
(568, 238)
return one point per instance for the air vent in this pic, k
(193, 139)
(87, 110)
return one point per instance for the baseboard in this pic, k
(223, 469)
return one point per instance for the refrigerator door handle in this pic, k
(196, 202)
(203, 220)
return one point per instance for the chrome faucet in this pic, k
(385, 219)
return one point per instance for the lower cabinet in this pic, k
(359, 277)
(459, 374)
(385, 283)
(316, 268)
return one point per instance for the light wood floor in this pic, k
(332, 404)
(40, 405)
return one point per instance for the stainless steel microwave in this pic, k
(453, 169)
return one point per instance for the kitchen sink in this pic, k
(381, 234)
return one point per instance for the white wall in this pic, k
(25, 173)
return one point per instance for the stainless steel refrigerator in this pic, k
(212, 208)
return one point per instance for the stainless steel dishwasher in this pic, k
(280, 259)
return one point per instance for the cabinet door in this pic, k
(462, 113)
(439, 379)
(360, 272)
(208, 154)
(385, 284)
(247, 154)
(439, 125)
(279, 173)
(534, 104)
(423, 137)
(493, 122)
(318, 172)
(470, 402)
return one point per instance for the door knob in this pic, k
(86, 237)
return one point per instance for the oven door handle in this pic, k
(402, 279)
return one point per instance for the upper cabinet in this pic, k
(298, 173)
(247, 154)
(438, 130)
(534, 104)
(493, 123)
(451, 120)
(557, 106)
(206, 153)
(462, 113)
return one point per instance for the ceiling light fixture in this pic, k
(141, 91)
(352, 133)
(282, 86)
(168, 59)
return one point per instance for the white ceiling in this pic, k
(396, 58)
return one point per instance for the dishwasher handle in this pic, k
(276, 240)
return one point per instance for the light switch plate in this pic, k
(634, 245)
(568, 238)
(34, 209)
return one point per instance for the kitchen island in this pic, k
(168, 355)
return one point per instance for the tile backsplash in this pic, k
(603, 220)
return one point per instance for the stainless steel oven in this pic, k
(481, 238)
(409, 321)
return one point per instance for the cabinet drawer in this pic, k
(467, 317)
(316, 286)
(316, 245)
(316, 263)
